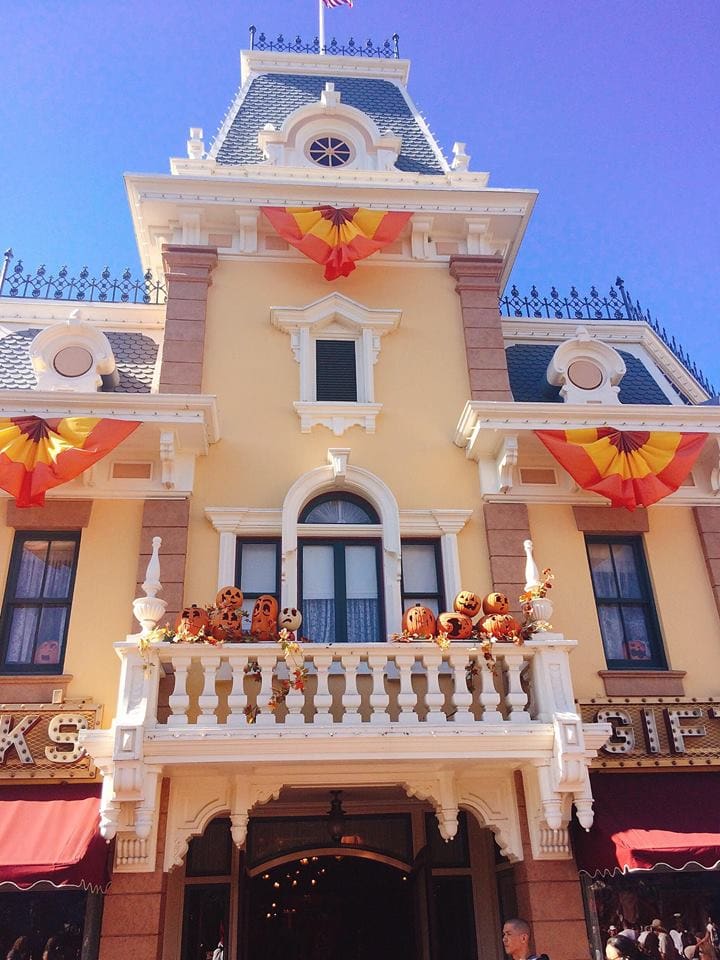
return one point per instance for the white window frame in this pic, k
(231, 522)
(336, 317)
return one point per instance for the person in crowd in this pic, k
(713, 932)
(702, 949)
(676, 933)
(628, 930)
(20, 950)
(665, 946)
(516, 940)
(622, 948)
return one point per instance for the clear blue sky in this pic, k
(611, 108)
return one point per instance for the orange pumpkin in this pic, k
(468, 603)
(193, 619)
(455, 626)
(501, 626)
(264, 623)
(230, 597)
(419, 621)
(226, 624)
(47, 652)
(496, 603)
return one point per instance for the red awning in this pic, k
(645, 820)
(51, 833)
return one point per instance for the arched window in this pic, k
(340, 576)
(338, 508)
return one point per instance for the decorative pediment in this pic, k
(586, 370)
(330, 135)
(72, 355)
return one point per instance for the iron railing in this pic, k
(104, 288)
(387, 50)
(617, 304)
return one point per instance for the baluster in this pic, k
(237, 698)
(489, 697)
(379, 698)
(295, 701)
(179, 701)
(323, 697)
(516, 698)
(208, 699)
(266, 663)
(407, 698)
(351, 698)
(435, 699)
(461, 696)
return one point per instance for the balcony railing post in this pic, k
(7, 257)
(550, 677)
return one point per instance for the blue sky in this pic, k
(610, 108)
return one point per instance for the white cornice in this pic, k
(196, 416)
(482, 421)
(144, 318)
(254, 62)
(262, 521)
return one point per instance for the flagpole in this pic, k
(321, 26)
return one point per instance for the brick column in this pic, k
(134, 908)
(478, 286)
(707, 520)
(167, 519)
(507, 525)
(188, 274)
(549, 897)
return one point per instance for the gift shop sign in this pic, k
(40, 741)
(665, 732)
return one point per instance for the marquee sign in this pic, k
(661, 732)
(40, 741)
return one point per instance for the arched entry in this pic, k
(330, 907)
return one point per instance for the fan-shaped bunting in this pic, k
(631, 468)
(37, 454)
(336, 237)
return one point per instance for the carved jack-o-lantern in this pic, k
(230, 597)
(419, 621)
(496, 603)
(47, 652)
(226, 624)
(468, 603)
(193, 619)
(456, 626)
(290, 618)
(264, 623)
(502, 627)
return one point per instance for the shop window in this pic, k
(340, 577)
(624, 600)
(257, 569)
(422, 575)
(38, 598)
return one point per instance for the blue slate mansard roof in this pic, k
(135, 356)
(272, 97)
(528, 363)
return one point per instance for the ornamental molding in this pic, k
(337, 417)
(72, 355)
(18, 314)
(255, 62)
(597, 358)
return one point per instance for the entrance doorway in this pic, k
(330, 908)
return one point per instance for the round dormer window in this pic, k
(330, 151)
(585, 374)
(73, 361)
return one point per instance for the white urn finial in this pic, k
(150, 608)
(532, 574)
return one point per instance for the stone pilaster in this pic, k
(188, 274)
(707, 520)
(167, 519)
(478, 286)
(507, 525)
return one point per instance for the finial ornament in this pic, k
(150, 608)
(532, 574)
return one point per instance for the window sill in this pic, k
(643, 683)
(336, 416)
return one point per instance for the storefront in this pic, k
(654, 849)
(53, 861)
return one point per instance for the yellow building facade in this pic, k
(350, 448)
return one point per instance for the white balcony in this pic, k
(438, 722)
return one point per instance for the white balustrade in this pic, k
(368, 688)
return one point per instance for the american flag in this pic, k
(337, 3)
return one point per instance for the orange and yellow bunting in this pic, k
(631, 468)
(36, 454)
(336, 237)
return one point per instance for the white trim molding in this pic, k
(336, 317)
(92, 356)
(598, 360)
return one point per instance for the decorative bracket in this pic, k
(506, 462)
(338, 459)
(420, 237)
(441, 792)
(167, 459)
